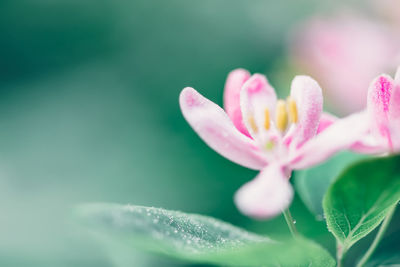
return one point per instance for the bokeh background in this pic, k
(89, 112)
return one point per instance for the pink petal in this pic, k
(267, 195)
(216, 129)
(308, 96)
(341, 135)
(394, 116)
(233, 85)
(370, 145)
(256, 96)
(379, 99)
(325, 121)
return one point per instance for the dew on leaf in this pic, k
(190, 233)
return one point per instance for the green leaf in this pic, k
(312, 184)
(196, 238)
(360, 198)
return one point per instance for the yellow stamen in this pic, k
(253, 124)
(281, 115)
(267, 123)
(292, 108)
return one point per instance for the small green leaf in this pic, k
(312, 184)
(360, 198)
(196, 238)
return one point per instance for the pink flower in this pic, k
(345, 53)
(383, 116)
(260, 132)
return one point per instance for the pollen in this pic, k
(267, 122)
(281, 115)
(253, 124)
(292, 109)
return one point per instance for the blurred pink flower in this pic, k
(383, 115)
(275, 136)
(344, 54)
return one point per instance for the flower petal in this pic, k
(267, 195)
(369, 144)
(384, 111)
(233, 85)
(308, 96)
(394, 115)
(325, 121)
(379, 99)
(213, 125)
(341, 135)
(256, 96)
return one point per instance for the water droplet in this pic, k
(294, 221)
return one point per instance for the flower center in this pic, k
(281, 114)
(292, 108)
(285, 114)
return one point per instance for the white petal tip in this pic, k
(239, 71)
(305, 80)
(264, 198)
(189, 97)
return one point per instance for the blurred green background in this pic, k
(89, 112)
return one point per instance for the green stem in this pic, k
(290, 222)
(340, 252)
(378, 237)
